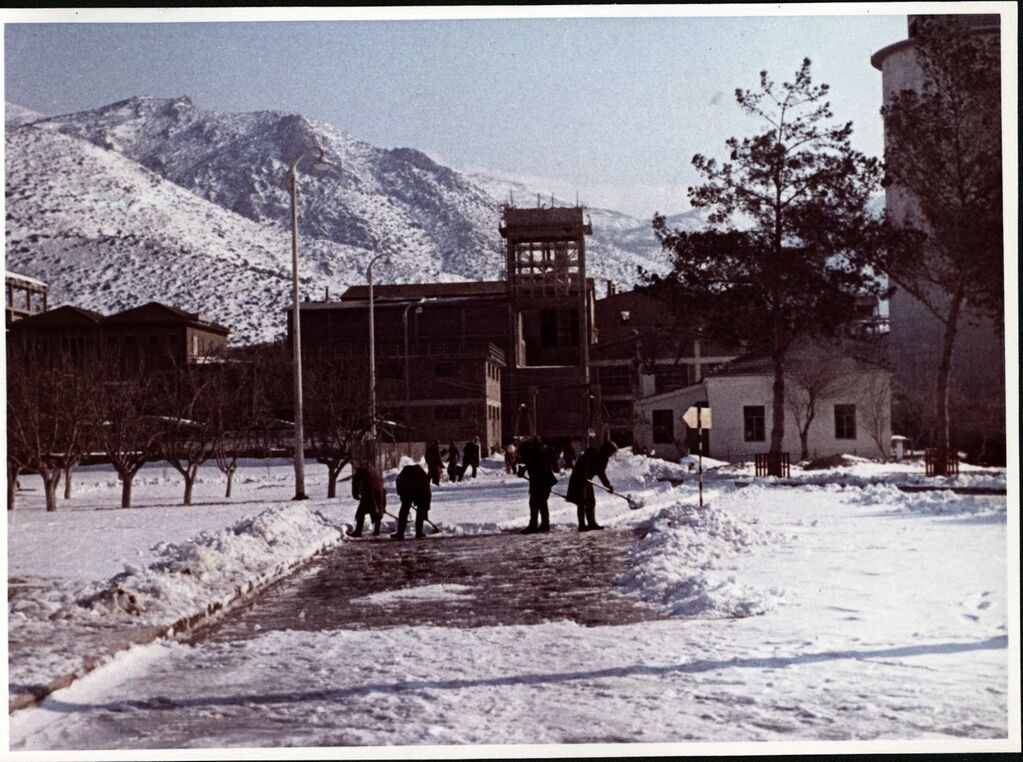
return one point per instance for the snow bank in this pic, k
(60, 625)
(936, 502)
(678, 563)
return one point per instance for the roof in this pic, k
(65, 315)
(429, 290)
(156, 312)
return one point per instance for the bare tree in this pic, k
(127, 428)
(337, 418)
(815, 373)
(46, 425)
(190, 432)
(876, 399)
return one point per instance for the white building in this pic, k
(851, 413)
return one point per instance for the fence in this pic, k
(765, 463)
(932, 462)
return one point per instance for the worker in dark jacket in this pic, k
(471, 457)
(591, 464)
(454, 472)
(434, 462)
(536, 457)
(368, 489)
(413, 487)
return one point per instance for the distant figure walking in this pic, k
(434, 462)
(471, 457)
(368, 489)
(592, 463)
(536, 457)
(510, 453)
(413, 487)
(454, 472)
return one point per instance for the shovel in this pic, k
(635, 503)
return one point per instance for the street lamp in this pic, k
(320, 165)
(372, 361)
(404, 324)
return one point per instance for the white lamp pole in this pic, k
(408, 394)
(320, 165)
(372, 359)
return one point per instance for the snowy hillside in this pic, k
(107, 234)
(159, 199)
(15, 115)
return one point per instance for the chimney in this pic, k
(326, 293)
(611, 288)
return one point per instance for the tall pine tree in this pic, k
(943, 153)
(787, 249)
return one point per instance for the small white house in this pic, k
(842, 402)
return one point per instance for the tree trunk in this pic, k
(189, 481)
(777, 405)
(230, 478)
(804, 450)
(51, 480)
(942, 423)
(68, 469)
(332, 481)
(12, 485)
(126, 480)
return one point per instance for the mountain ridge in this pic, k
(435, 223)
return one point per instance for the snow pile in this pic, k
(419, 594)
(61, 622)
(934, 502)
(678, 564)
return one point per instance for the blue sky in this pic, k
(613, 108)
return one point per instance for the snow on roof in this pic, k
(10, 275)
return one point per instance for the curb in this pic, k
(242, 594)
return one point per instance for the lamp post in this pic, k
(320, 165)
(372, 362)
(404, 324)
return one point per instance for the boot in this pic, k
(397, 536)
(529, 530)
(354, 533)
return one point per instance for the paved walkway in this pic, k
(496, 579)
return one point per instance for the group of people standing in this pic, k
(532, 459)
(537, 461)
(435, 459)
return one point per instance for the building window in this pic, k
(615, 379)
(447, 413)
(845, 422)
(559, 328)
(753, 423)
(625, 316)
(664, 426)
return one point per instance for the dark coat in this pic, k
(368, 489)
(414, 485)
(591, 464)
(434, 462)
(471, 454)
(536, 457)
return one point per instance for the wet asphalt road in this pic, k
(501, 579)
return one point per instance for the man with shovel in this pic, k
(536, 457)
(591, 464)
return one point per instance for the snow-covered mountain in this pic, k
(158, 199)
(15, 115)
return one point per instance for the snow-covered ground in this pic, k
(841, 608)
